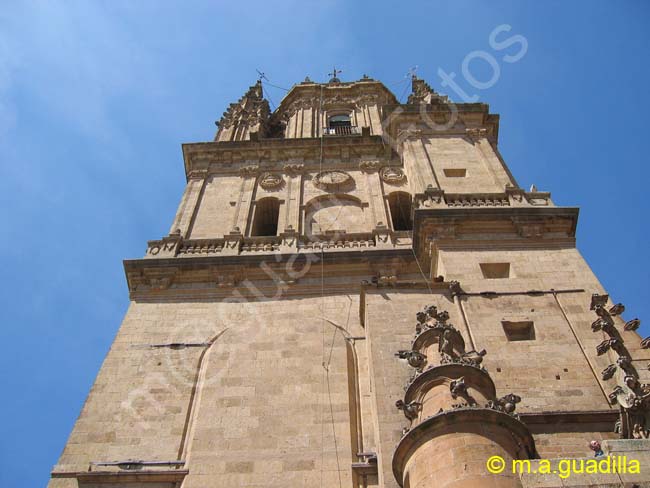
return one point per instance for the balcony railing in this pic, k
(346, 130)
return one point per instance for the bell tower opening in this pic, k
(400, 205)
(265, 220)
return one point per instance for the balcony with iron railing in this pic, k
(342, 130)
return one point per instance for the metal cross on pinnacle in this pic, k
(261, 75)
(334, 74)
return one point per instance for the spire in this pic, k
(421, 92)
(248, 115)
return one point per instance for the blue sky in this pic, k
(97, 96)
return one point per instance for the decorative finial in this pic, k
(334, 74)
(412, 72)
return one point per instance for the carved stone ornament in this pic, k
(293, 168)
(392, 175)
(328, 180)
(270, 181)
(248, 171)
(629, 393)
(369, 165)
(410, 409)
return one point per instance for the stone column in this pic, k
(457, 421)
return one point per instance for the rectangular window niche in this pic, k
(455, 172)
(494, 271)
(519, 331)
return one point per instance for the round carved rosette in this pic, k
(332, 180)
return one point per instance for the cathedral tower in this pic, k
(356, 292)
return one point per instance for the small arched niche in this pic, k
(265, 218)
(335, 212)
(400, 205)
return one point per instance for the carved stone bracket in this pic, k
(369, 165)
(157, 279)
(249, 171)
(293, 169)
(197, 174)
(529, 229)
(475, 134)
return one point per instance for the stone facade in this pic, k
(354, 293)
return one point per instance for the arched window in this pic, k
(400, 204)
(265, 220)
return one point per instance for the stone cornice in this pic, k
(273, 154)
(481, 224)
(246, 275)
(312, 91)
(470, 117)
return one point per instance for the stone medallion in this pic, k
(392, 175)
(328, 180)
(270, 181)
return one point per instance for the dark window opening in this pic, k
(519, 331)
(265, 221)
(400, 210)
(493, 271)
(342, 120)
